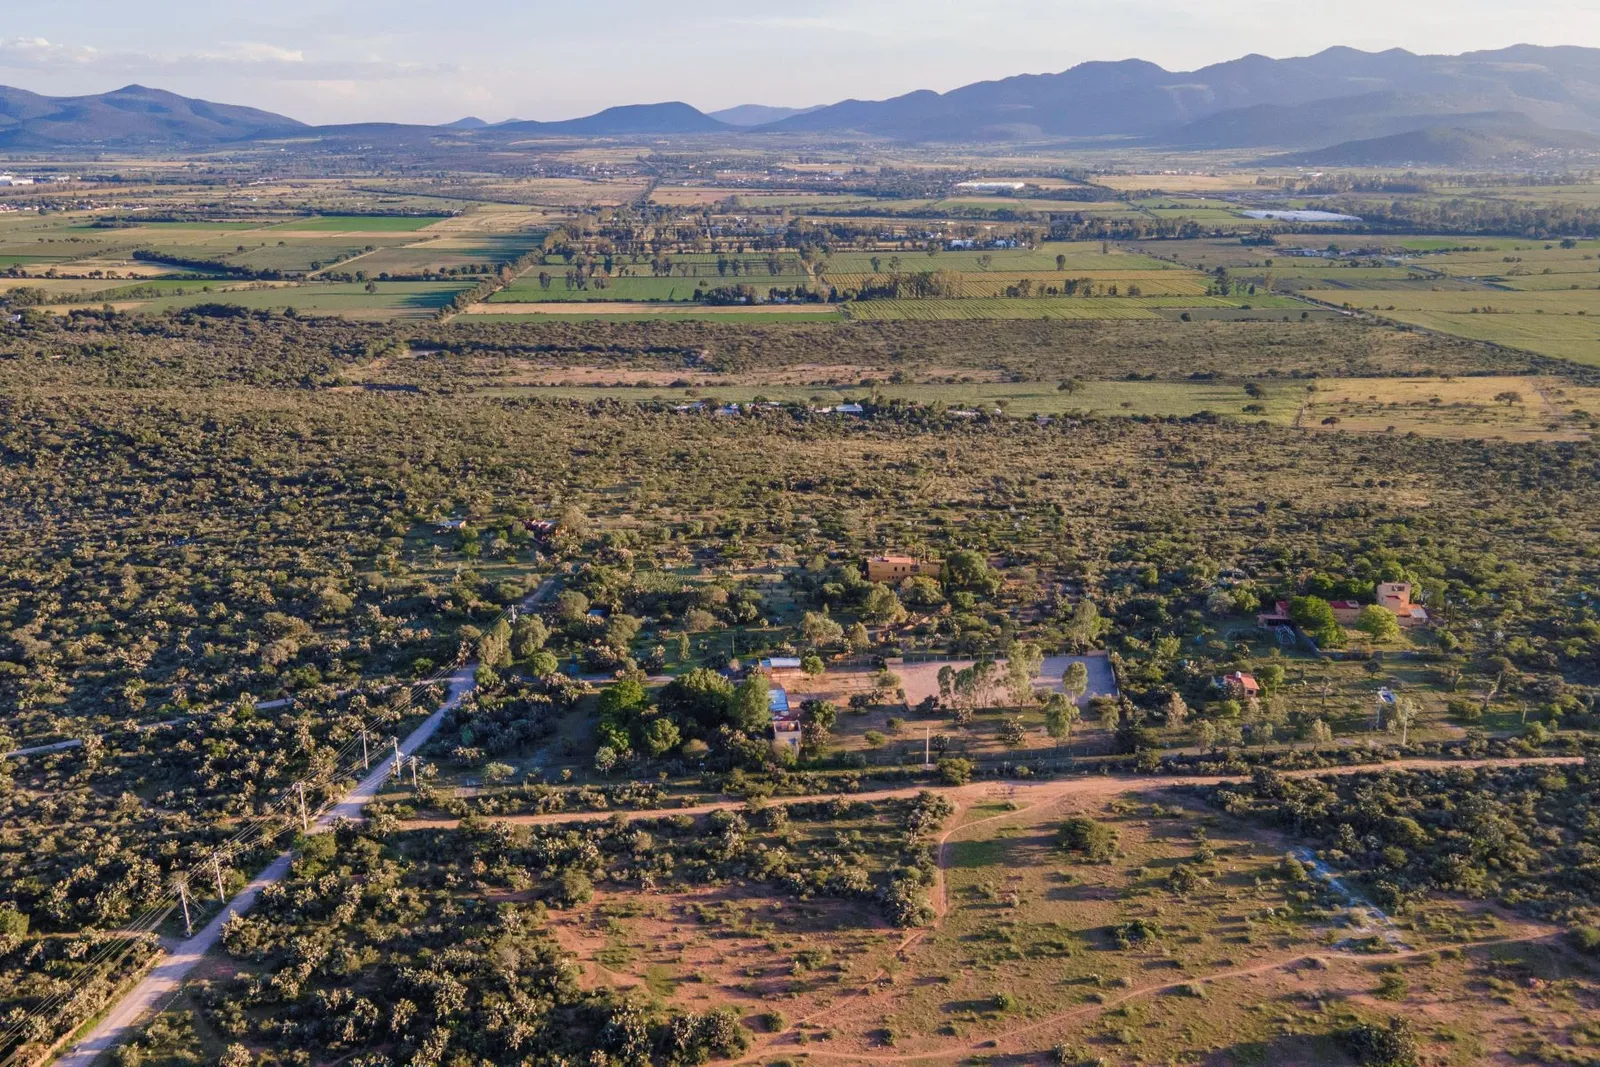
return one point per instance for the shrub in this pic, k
(1393, 1044)
(1585, 939)
(1393, 987)
(1095, 842)
(954, 771)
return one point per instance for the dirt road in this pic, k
(1024, 793)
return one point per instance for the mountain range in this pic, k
(1336, 96)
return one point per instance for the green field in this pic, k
(1146, 307)
(391, 300)
(527, 289)
(1020, 399)
(362, 223)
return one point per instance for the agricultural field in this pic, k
(1070, 308)
(386, 300)
(1564, 324)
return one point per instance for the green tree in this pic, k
(1315, 616)
(1075, 680)
(1083, 626)
(1023, 662)
(881, 606)
(1059, 716)
(752, 708)
(955, 771)
(543, 664)
(820, 630)
(701, 699)
(1378, 623)
(661, 736)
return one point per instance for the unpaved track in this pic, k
(1026, 794)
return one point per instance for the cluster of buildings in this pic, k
(1395, 596)
(785, 717)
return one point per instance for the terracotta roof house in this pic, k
(1396, 596)
(1277, 616)
(1242, 684)
(1345, 612)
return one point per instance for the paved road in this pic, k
(166, 979)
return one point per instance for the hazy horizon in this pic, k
(363, 61)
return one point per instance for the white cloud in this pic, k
(242, 59)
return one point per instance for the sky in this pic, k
(325, 61)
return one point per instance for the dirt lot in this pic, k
(921, 680)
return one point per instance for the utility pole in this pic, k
(305, 824)
(927, 743)
(414, 772)
(216, 867)
(364, 762)
(183, 895)
(399, 764)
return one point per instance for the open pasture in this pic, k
(1059, 307)
(1511, 408)
(1564, 324)
(350, 300)
(634, 288)
(1077, 256)
(995, 283)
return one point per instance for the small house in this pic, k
(1345, 612)
(785, 720)
(451, 525)
(1277, 616)
(775, 664)
(898, 568)
(1241, 685)
(1396, 596)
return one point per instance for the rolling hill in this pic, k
(757, 114)
(1452, 146)
(132, 116)
(670, 118)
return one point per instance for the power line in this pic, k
(108, 958)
